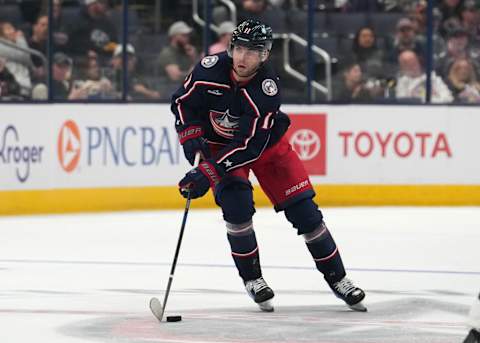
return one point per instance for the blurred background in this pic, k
(362, 51)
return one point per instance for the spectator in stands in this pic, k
(366, 53)
(38, 41)
(93, 31)
(18, 62)
(93, 78)
(137, 88)
(462, 81)
(224, 34)
(9, 87)
(470, 20)
(61, 79)
(418, 15)
(405, 39)
(351, 86)
(178, 58)
(450, 9)
(458, 46)
(59, 27)
(411, 81)
(264, 12)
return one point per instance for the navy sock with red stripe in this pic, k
(327, 257)
(245, 255)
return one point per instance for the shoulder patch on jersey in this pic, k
(209, 61)
(269, 87)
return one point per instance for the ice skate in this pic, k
(348, 292)
(259, 291)
(473, 337)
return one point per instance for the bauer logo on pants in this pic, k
(307, 135)
(69, 146)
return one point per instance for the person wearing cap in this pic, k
(224, 35)
(405, 39)
(137, 88)
(458, 46)
(61, 75)
(178, 58)
(93, 31)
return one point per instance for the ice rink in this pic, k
(89, 278)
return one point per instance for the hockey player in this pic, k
(474, 322)
(228, 110)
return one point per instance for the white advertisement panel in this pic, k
(391, 144)
(87, 146)
(79, 146)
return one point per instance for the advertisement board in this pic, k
(70, 157)
(78, 146)
(390, 144)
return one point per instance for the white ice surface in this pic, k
(89, 278)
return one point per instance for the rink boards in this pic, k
(64, 158)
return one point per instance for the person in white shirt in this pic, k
(411, 82)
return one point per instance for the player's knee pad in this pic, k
(234, 195)
(304, 216)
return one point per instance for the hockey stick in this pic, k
(155, 305)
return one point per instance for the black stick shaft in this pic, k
(179, 242)
(177, 251)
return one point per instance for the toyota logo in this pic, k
(306, 143)
(68, 146)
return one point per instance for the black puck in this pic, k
(174, 318)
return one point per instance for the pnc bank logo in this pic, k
(306, 143)
(69, 146)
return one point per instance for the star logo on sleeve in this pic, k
(228, 163)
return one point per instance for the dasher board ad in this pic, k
(85, 146)
(387, 144)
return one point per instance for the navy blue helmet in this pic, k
(253, 35)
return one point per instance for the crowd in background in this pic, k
(371, 63)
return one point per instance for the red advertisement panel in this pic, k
(308, 137)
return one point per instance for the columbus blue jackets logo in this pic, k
(224, 123)
(209, 61)
(269, 87)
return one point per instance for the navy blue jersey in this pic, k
(242, 118)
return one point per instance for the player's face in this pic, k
(246, 61)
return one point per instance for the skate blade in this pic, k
(358, 307)
(266, 306)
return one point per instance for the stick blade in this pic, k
(156, 308)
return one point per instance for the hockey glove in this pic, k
(191, 138)
(198, 180)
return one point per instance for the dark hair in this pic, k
(356, 47)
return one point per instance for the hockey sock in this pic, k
(243, 244)
(325, 253)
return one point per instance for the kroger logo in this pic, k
(18, 155)
(69, 146)
(306, 143)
